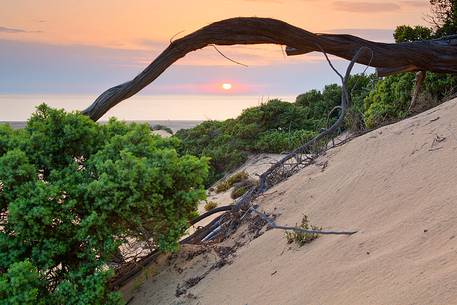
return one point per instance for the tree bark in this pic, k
(388, 58)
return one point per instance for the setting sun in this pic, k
(226, 86)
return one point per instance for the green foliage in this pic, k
(319, 104)
(440, 86)
(272, 127)
(238, 177)
(240, 188)
(210, 205)
(302, 238)
(209, 139)
(277, 126)
(444, 17)
(7, 135)
(271, 115)
(359, 87)
(238, 192)
(389, 100)
(436, 86)
(281, 141)
(72, 191)
(391, 97)
(21, 284)
(224, 185)
(162, 127)
(406, 33)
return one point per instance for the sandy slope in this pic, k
(396, 185)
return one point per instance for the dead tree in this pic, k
(388, 58)
(438, 55)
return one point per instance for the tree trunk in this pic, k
(431, 55)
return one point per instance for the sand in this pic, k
(254, 166)
(395, 185)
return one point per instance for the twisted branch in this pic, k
(430, 55)
(271, 176)
(273, 225)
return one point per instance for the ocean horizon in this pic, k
(174, 125)
(150, 108)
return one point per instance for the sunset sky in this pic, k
(86, 46)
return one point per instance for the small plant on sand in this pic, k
(242, 187)
(222, 186)
(230, 181)
(210, 205)
(238, 177)
(301, 238)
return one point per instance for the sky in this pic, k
(87, 46)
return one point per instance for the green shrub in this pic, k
(406, 33)
(309, 98)
(240, 188)
(319, 104)
(391, 97)
(228, 143)
(226, 184)
(162, 127)
(302, 238)
(210, 140)
(389, 100)
(73, 191)
(222, 186)
(238, 177)
(238, 192)
(440, 86)
(210, 205)
(359, 87)
(282, 141)
(444, 17)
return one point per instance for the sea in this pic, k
(174, 111)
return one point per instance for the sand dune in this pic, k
(395, 185)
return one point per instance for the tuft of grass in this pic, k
(238, 177)
(222, 186)
(210, 205)
(302, 238)
(242, 187)
(230, 181)
(238, 192)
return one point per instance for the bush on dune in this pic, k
(72, 191)
(272, 127)
(278, 126)
(389, 100)
(282, 141)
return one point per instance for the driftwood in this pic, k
(272, 224)
(388, 58)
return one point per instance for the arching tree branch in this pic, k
(430, 55)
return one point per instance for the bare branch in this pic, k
(273, 225)
(283, 168)
(174, 36)
(211, 212)
(420, 77)
(387, 58)
(228, 58)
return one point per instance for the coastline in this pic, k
(175, 125)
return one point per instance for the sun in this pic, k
(226, 86)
